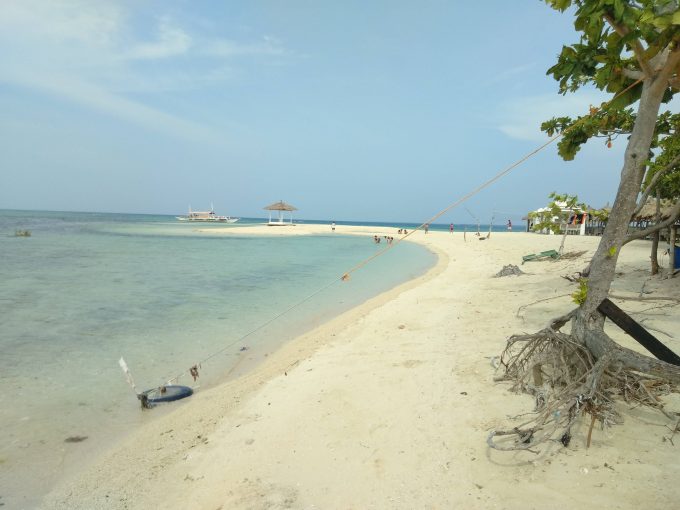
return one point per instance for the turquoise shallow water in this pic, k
(85, 289)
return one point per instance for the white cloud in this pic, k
(172, 41)
(521, 118)
(101, 100)
(226, 48)
(90, 53)
(61, 21)
(508, 75)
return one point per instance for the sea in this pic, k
(85, 289)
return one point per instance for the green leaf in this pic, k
(627, 98)
(662, 22)
(560, 5)
(618, 10)
(647, 17)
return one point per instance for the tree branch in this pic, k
(650, 187)
(638, 49)
(669, 69)
(674, 215)
(632, 74)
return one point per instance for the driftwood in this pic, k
(573, 278)
(572, 255)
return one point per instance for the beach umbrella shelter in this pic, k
(648, 211)
(280, 206)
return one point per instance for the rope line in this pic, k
(345, 276)
(488, 183)
(258, 328)
(461, 200)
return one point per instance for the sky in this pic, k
(386, 110)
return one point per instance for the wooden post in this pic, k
(639, 334)
(673, 237)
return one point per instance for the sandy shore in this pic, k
(390, 404)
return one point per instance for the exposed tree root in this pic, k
(568, 382)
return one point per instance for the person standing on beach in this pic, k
(509, 225)
(427, 227)
(451, 228)
(333, 226)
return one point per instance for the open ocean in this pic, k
(88, 288)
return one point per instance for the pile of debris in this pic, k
(509, 270)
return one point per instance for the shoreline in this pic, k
(269, 363)
(348, 315)
(388, 405)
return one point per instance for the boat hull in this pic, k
(207, 220)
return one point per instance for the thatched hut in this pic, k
(280, 206)
(647, 213)
(647, 216)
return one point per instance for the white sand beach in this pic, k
(389, 405)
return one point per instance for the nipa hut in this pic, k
(647, 217)
(280, 206)
(647, 214)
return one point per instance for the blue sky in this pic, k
(352, 110)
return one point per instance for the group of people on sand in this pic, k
(388, 239)
(426, 228)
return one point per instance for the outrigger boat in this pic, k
(206, 216)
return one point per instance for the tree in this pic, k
(556, 218)
(559, 210)
(630, 48)
(663, 177)
(663, 169)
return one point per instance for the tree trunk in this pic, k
(671, 255)
(654, 257)
(655, 237)
(603, 264)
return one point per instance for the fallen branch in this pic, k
(651, 298)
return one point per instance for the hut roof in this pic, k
(280, 206)
(648, 211)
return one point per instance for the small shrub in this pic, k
(579, 297)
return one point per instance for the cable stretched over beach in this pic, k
(488, 183)
(255, 330)
(345, 276)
